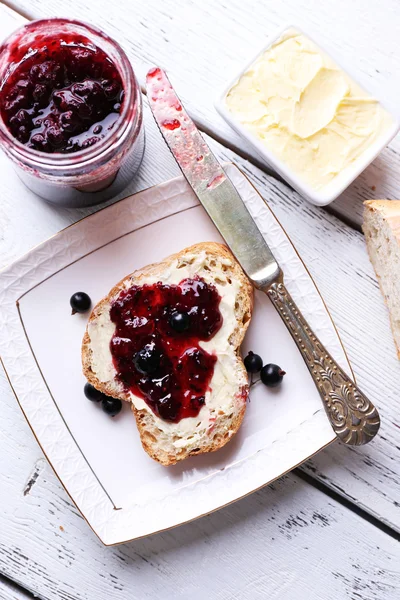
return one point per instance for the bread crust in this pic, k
(145, 419)
(391, 208)
(390, 211)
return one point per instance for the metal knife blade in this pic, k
(353, 417)
(209, 182)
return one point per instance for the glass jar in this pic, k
(96, 173)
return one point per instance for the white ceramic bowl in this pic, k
(335, 188)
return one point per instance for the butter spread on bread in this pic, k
(219, 418)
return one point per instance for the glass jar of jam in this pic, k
(70, 111)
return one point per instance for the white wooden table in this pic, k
(330, 530)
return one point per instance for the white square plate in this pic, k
(121, 492)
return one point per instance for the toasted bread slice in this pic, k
(225, 402)
(382, 233)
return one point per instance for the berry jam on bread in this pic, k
(167, 340)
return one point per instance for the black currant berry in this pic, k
(253, 363)
(147, 360)
(179, 321)
(271, 375)
(111, 406)
(80, 302)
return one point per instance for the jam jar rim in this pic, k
(58, 161)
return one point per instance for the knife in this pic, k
(353, 417)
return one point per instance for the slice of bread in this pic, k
(382, 232)
(225, 402)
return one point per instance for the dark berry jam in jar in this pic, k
(70, 111)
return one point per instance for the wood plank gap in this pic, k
(11, 6)
(18, 591)
(355, 508)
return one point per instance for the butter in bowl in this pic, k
(307, 117)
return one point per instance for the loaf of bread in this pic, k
(225, 400)
(382, 233)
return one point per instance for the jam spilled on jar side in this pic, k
(64, 97)
(181, 371)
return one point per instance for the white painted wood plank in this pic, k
(369, 475)
(10, 20)
(266, 545)
(336, 257)
(202, 44)
(286, 541)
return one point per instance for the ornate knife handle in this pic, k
(353, 417)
